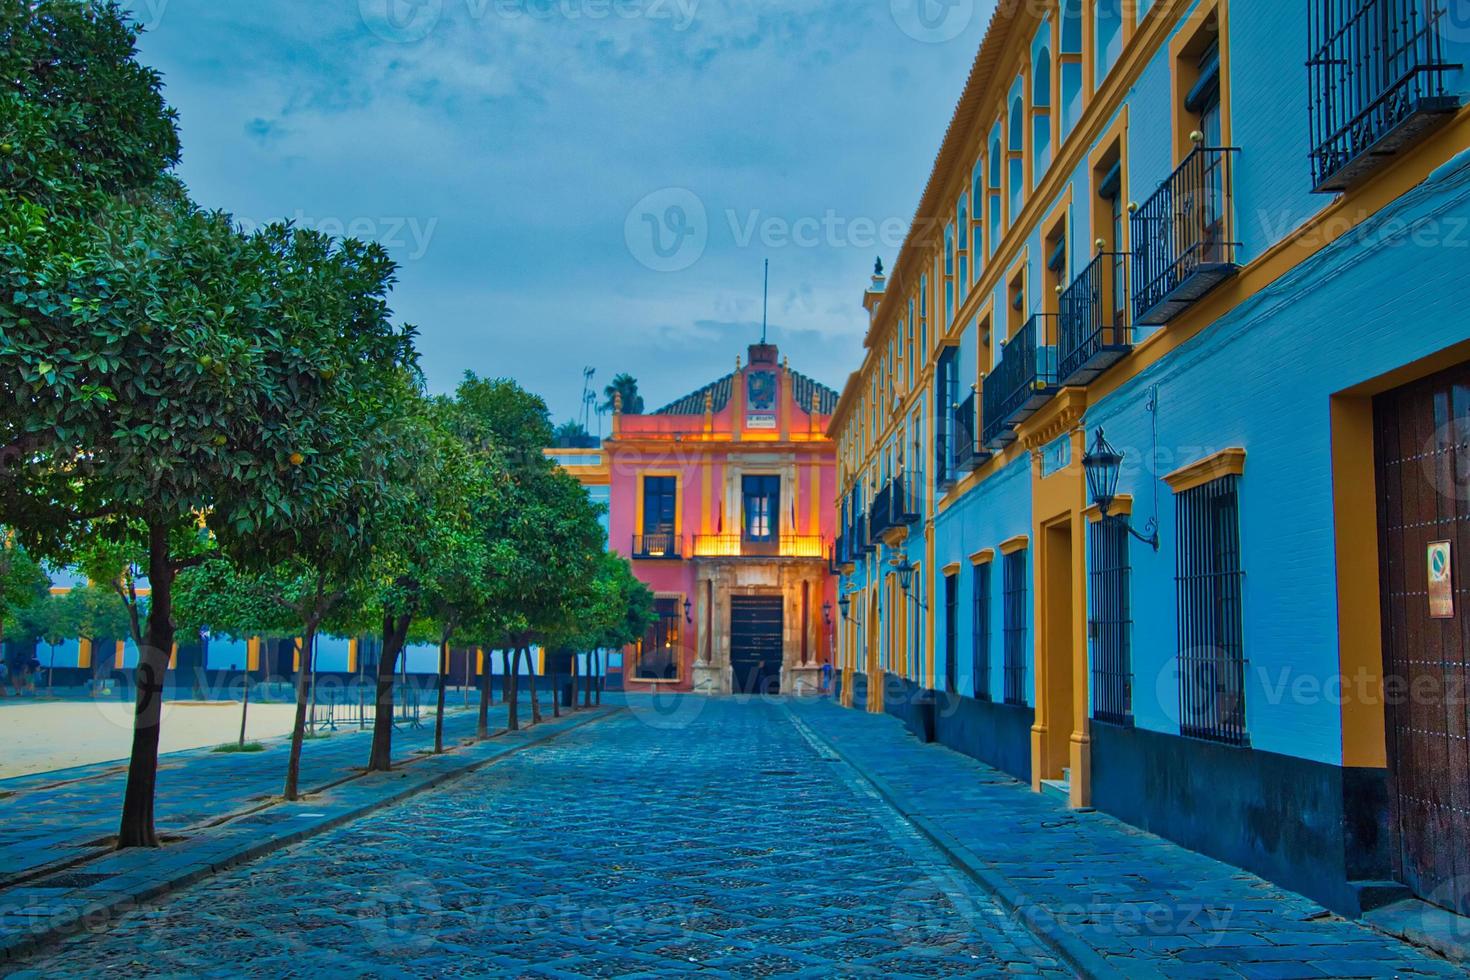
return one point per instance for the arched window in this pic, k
(996, 169)
(1016, 179)
(1109, 20)
(1071, 64)
(1041, 116)
(977, 230)
(962, 244)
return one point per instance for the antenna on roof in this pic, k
(766, 302)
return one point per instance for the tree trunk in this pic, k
(3, 664)
(136, 828)
(591, 679)
(487, 693)
(505, 675)
(535, 697)
(576, 678)
(512, 695)
(601, 678)
(395, 633)
(443, 680)
(305, 689)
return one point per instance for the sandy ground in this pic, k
(42, 736)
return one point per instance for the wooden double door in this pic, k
(1422, 434)
(757, 642)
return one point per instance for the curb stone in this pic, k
(1076, 953)
(210, 852)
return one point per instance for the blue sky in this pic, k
(518, 158)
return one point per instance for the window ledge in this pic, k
(1227, 462)
(1122, 506)
(983, 557)
(1012, 545)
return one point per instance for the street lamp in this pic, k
(905, 570)
(844, 606)
(1102, 465)
(688, 612)
(827, 613)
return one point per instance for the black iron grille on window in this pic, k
(1110, 624)
(951, 632)
(1377, 78)
(1015, 627)
(980, 656)
(1211, 643)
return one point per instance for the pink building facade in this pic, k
(724, 502)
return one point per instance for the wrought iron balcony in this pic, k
(880, 514)
(1184, 242)
(1093, 333)
(840, 558)
(969, 455)
(1024, 381)
(862, 542)
(738, 546)
(657, 547)
(907, 509)
(1376, 80)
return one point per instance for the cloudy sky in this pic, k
(581, 183)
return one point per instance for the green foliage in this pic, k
(78, 113)
(627, 386)
(22, 582)
(234, 748)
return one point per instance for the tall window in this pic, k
(951, 632)
(1016, 177)
(1211, 634)
(658, 654)
(962, 245)
(762, 496)
(1110, 219)
(1109, 15)
(1041, 114)
(949, 260)
(1015, 627)
(660, 497)
(980, 657)
(996, 167)
(660, 522)
(977, 214)
(1071, 64)
(946, 378)
(1203, 106)
(1110, 624)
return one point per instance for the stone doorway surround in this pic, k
(717, 579)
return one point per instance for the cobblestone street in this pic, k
(715, 838)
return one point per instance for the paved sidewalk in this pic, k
(693, 836)
(59, 817)
(1113, 898)
(83, 900)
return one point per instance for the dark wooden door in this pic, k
(757, 624)
(1423, 456)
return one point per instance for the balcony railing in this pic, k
(969, 455)
(907, 508)
(840, 557)
(1093, 333)
(1184, 242)
(737, 546)
(1377, 81)
(1025, 380)
(863, 542)
(657, 547)
(880, 514)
